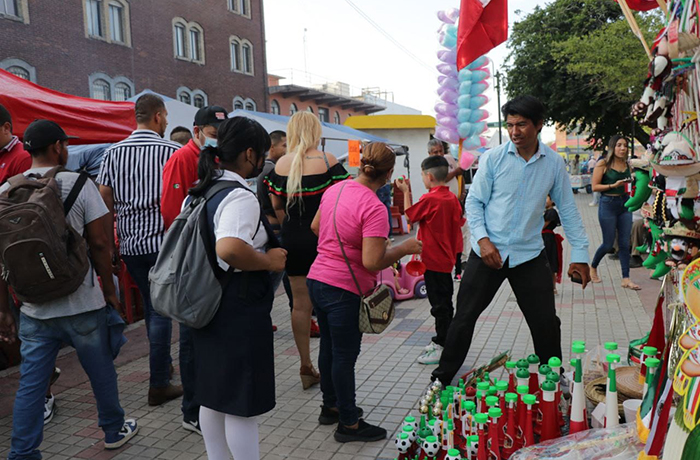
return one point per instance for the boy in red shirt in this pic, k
(439, 216)
(13, 158)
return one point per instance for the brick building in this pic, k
(332, 102)
(198, 51)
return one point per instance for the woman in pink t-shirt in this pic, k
(361, 222)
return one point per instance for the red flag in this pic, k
(483, 25)
(642, 5)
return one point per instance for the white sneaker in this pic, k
(592, 204)
(429, 347)
(49, 408)
(431, 357)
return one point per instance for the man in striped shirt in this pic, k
(130, 183)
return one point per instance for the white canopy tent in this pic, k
(179, 113)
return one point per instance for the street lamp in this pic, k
(497, 76)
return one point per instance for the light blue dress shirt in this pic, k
(506, 203)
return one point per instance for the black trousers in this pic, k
(440, 289)
(532, 284)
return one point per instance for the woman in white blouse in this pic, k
(234, 354)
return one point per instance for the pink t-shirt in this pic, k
(360, 215)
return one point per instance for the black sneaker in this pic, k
(364, 433)
(331, 417)
(192, 425)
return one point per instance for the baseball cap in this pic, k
(41, 133)
(211, 115)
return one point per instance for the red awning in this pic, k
(93, 121)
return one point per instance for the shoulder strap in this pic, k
(328, 166)
(74, 192)
(340, 242)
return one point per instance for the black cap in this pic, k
(42, 133)
(211, 115)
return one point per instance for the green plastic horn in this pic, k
(642, 192)
(661, 270)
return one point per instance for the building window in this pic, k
(94, 17)
(250, 105)
(122, 92)
(241, 7)
(197, 97)
(116, 22)
(245, 8)
(198, 101)
(310, 109)
(185, 98)
(247, 67)
(180, 50)
(106, 88)
(19, 72)
(275, 107)
(101, 90)
(323, 114)
(9, 7)
(195, 44)
(233, 5)
(293, 109)
(238, 103)
(336, 118)
(235, 54)
(19, 68)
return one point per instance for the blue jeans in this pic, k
(89, 334)
(159, 328)
(337, 311)
(613, 216)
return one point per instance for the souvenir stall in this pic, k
(649, 407)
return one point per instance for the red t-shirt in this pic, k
(179, 175)
(439, 216)
(13, 160)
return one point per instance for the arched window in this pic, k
(101, 90)
(185, 98)
(235, 54)
(275, 107)
(116, 22)
(122, 92)
(16, 70)
(238, 103)
(179, 39)
(336, 118)
(93, 8)
(196, 43)
(293, 109)
(247, 59)
(310, 109)
(198, 101)
(250, 106)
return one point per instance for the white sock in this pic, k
(228, 435)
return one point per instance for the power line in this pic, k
(389, 37)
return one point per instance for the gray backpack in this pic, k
(186, 283)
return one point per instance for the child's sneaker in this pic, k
(431, 357)
(118, 439)
(429, 347)
(49, 408)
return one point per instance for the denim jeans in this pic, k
(613, 216)
(337, 311)
(159, 327)
(89, 334)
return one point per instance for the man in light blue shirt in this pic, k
(505, 211)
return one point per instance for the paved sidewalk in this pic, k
(389, 381)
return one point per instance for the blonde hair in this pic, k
(304, 133)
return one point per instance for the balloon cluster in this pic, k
(460, 117)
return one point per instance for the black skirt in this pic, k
(234, 354)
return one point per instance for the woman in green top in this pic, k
(610, 176)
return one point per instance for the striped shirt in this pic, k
(133, 168)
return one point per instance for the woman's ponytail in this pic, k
(207, 170)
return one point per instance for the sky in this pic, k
(342, 46)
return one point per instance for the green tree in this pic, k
(582, 60)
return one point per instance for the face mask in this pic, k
(255, 172)
(209, 142)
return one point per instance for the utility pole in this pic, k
(306, 69)
(497, 77)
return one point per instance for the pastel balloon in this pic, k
(466, 160)
(454, 150)
(449, 96)
(442, 16)
(477, 115)
(453, 13)
(451, 30)
(446, 109)
(465, 75)
(447, 122)
(472, 143)
(448, 82)
(465, 130)
(478, 88)
(476, 102)
(464, 102)
(482, 74)
(449, 70)
(448, 56)
(464, 115)
(448, 41)
(464, 87)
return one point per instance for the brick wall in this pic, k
(54, 42)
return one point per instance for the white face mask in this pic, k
(209, 142)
